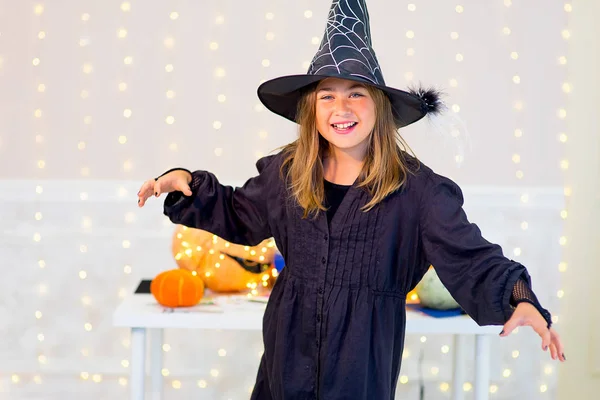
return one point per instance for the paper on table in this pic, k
(206, 305)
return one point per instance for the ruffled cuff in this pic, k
(522, 293)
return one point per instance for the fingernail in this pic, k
(156, 194)
(564, 358)
(501, 333)
(545, 348)
(138, 201)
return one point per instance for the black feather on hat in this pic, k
(346, 52)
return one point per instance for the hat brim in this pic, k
(281, 96)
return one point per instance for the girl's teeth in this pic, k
(343, 126)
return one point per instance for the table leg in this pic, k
(156, 363)
(458, 370)
(138, 363)
(482, 367)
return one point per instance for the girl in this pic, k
(358, 222)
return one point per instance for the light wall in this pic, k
(96, 97)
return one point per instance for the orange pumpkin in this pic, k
(230, 267)
(224, 266)
(189, 247)
(177, 288)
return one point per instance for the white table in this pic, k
(140, 312)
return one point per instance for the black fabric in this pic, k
(335, 321)
(334, 194)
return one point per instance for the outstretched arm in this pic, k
(491, 288)
(238, 215)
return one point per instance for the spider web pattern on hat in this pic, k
(347, 39)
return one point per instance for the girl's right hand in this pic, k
(177, 180)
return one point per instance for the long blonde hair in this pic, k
(385, 167)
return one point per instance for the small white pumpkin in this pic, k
(433, 294)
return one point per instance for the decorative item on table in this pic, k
(177, 288)
(433, 294)
(225, 266)
(189, 246)
(278, 261)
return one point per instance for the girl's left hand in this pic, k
(527, 315)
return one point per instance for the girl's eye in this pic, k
(353, 95)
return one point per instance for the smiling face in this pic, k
(345, 115)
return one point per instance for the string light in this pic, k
(564, 166)
(220, 72)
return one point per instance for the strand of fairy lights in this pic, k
(169, 43)
(87, 69)
(40, 131)
(516, 157)
(564, 166)
(128, 60)
(129, 64)
(170, 94)
(269, 37)
(219, 76)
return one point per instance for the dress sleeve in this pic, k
(475, 272)
(238, 215)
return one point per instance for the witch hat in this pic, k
(346, 52)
